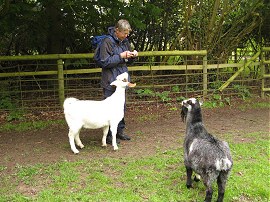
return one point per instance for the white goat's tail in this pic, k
(69, 101)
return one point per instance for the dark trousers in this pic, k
(121, 126)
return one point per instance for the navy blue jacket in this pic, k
(112, 64)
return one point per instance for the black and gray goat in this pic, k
(203, 153)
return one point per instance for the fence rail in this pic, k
(43, 81)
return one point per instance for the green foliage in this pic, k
(15, 115)
(176, 89)
(164, 96)
(5, 97)
(145, 92)
(216, 100)
(7, 102)
(180, 99)
(215, 85)
(243, 91)
(67, 26)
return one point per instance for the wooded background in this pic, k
(66, 26)
(231, 32)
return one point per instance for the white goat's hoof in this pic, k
(81, 146)
(115, 148)
(104, 145)
(76, 151)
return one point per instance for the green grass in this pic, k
(30, 125)
(255, 105)
(156, 178)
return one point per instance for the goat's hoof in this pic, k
(104, 145)
(76, 151)
(81, 146)
(115, 148)
(189, 186)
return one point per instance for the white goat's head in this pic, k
(122, 77)
(122, 81)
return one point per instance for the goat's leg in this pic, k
(72, 134)
(221, 181)
(105, 133)
(113, 129)
(189, 174)
(209, 190)
(78, 140)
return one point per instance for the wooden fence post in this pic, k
(61, 85)
(262, 72)
(205, 75)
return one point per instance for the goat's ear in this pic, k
(201, 103)
(114, 83)
(122, 77)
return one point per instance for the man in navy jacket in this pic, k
(115, 54)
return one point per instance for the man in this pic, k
(115, 54)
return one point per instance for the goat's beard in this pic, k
(184, 112)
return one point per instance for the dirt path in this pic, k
(151, 130)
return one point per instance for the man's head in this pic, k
(122, 29)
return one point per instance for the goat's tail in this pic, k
(224, 164)
(69, 101)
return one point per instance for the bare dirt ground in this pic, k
(152, 129)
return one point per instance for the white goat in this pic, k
(91, 114)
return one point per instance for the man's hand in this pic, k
(134, 53)
(128, 54)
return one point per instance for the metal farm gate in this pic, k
(43, 81)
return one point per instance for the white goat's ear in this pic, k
(201, 103)
(115, 83)
(122, 77)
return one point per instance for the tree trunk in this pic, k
(55, 35)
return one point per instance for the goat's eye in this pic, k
(124, 80)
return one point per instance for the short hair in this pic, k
(123, 25)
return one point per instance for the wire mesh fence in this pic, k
(34, 84)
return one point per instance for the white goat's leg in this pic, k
(105, 133)
(71, 136)
(78, 140)
(114, 130)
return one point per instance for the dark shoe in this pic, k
(122, 136)
(109, 140)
